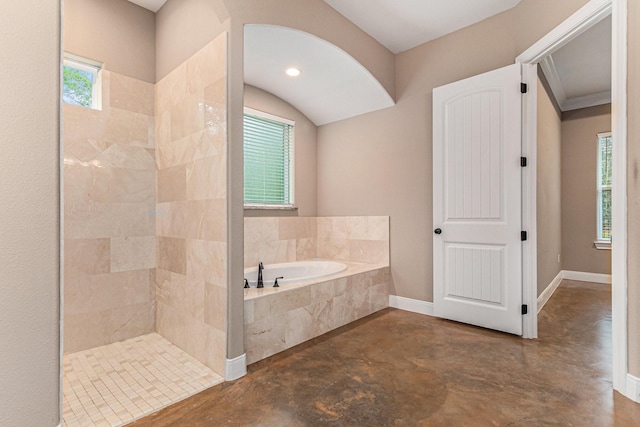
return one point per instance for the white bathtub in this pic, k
(293, 272)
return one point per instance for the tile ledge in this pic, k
(353, 268)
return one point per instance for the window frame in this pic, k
(291, 185)
(92, 67)
(601, 242)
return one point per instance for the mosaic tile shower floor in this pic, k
(117, 383)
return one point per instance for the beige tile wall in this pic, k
(191, 211)
(109, 223)
(281, 320)
(273, 240)
(354, 238)
(285, 239)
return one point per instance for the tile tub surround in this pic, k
(191, 220)
(276, 319)
(363, 239)
(273, 240)
(354, 238)
(109, 227)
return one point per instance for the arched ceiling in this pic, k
(331, 86)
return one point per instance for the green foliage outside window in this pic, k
(77, 87)
(604, 187)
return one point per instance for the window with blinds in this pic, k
(268, 160)
(604, 187)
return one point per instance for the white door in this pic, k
(477, 261)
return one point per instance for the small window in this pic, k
(81, 83)
(603, 240)
(268, 160)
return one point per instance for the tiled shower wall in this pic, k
(191, 211)
(347, 238)
(109, 223)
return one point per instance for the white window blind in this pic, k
(604, 187)
(268, 159)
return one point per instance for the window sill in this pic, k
(271, 207)
(603, 244)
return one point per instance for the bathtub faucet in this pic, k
(260, 268)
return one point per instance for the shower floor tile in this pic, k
(117, 383)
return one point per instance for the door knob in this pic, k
(437, 231)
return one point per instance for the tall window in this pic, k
(604, 191)
(268, 160)
(81, 83)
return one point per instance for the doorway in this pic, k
(592, 13)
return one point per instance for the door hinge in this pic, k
(523, 162)
(524, 309)
(523, 88)
(523, 235)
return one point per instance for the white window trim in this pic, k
(268, 116)
(600, 243)
(264, 206)
(292, 176)
(92, 67)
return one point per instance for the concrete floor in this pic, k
(396, 368)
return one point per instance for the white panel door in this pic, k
(477, 261)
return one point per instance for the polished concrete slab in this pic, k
(396, 368)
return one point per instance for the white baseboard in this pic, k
(425, 307)
(570, 275)
(586, 277)
(413, 305)
(546, 294)
(235, 368)
(633, 388)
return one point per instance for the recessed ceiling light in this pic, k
(293, 72)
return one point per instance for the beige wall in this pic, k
(29, 218)
(633, 183)
(579, 171)
(535, 18)
(116, 32)
(305, 149)
(548, 189)
(380, 163)
(183, 28)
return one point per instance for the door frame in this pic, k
(587, 16)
